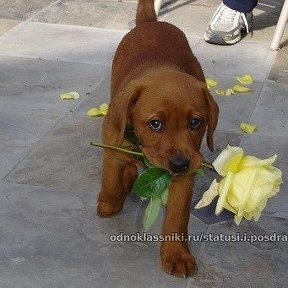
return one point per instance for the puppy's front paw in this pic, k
(106, 209)
(177, 260)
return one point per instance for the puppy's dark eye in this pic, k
(194, 123)
(156, 125)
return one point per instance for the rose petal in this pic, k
(226, 92)
(98, 112)
(224, 192)
(69, 96)
(220, 92)
(247, 128)
(245, 80)
(210, 82)
(252, 161)
(208, 195)
(248, 185)
(229, 92)
(228, 160)
(241, 89)
(104, 107)
(94, 112)
(228, 207)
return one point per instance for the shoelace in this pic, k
(228, 15)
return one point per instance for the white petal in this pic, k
(252, 161)
(208, 195)
(228, 160)
(224, 192)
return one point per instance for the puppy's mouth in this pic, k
(177, 165)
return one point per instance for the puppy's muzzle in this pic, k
(179, 164)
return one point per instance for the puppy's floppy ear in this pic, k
(119, 112)
(213, 111)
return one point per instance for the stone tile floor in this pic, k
(50, 177)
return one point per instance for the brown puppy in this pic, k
(159, 89)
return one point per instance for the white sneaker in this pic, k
(227, 25)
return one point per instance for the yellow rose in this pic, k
(246, 185)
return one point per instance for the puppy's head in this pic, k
(169, 112)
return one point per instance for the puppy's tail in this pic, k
(145, 12)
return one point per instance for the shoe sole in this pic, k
(218, 40)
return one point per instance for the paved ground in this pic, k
(49, 176)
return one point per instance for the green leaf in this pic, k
(164, 198)
(151, 212)
(151, 183)
(200, 172)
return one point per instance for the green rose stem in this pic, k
(204, 164)
(208, 165)
(116, 148)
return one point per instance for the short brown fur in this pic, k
(155, 76)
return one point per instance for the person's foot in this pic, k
(227, 25)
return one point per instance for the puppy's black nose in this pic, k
(179, 164)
